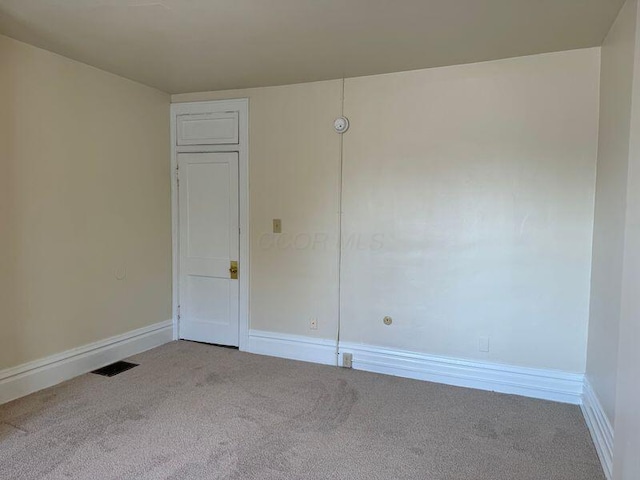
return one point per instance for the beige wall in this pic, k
(613, 366)
(84, 193)
(627, 413)
(611, 199)
(294, 175)
(479, 182)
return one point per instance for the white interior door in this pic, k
(209, 242)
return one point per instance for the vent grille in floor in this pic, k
(115, 369)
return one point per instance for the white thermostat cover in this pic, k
(341, 124)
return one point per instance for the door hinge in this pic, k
(178, 313)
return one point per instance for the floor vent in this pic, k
(114, 369)
(230, 347)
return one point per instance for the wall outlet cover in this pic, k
(347, 360)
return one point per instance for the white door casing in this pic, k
(210, 127)
(209, 242)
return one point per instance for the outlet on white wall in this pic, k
(347, 360)
(483, 344)
(313, 325)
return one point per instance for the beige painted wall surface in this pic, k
(471, 190)
(84, 192)
(627, 424)
(468, 207)
(611, 200)
(294, 175)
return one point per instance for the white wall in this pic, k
(468, 206)
(478, 181)
(611, 198)
(84, 197)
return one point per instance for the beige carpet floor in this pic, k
(193, 411)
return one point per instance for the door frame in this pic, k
(240, 105)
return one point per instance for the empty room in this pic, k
(320, 239)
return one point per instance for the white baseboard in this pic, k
(552, 385)
(600, 428)
(545, 384)
(30, 377)
(294, 347)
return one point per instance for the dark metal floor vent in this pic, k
(219, 345)
(115, 369)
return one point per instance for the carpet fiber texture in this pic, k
(193, 411)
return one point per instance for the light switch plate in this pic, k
(277, 225)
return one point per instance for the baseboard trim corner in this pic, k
(293, 347)
(544, 384)
(31, 377)
(600, 428)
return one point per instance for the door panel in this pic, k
(207, 128)
(209, 241)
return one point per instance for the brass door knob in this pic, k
(233, 270)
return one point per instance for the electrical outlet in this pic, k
(277, 225)
(347, 360)
(483, 344)
(313, 325)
